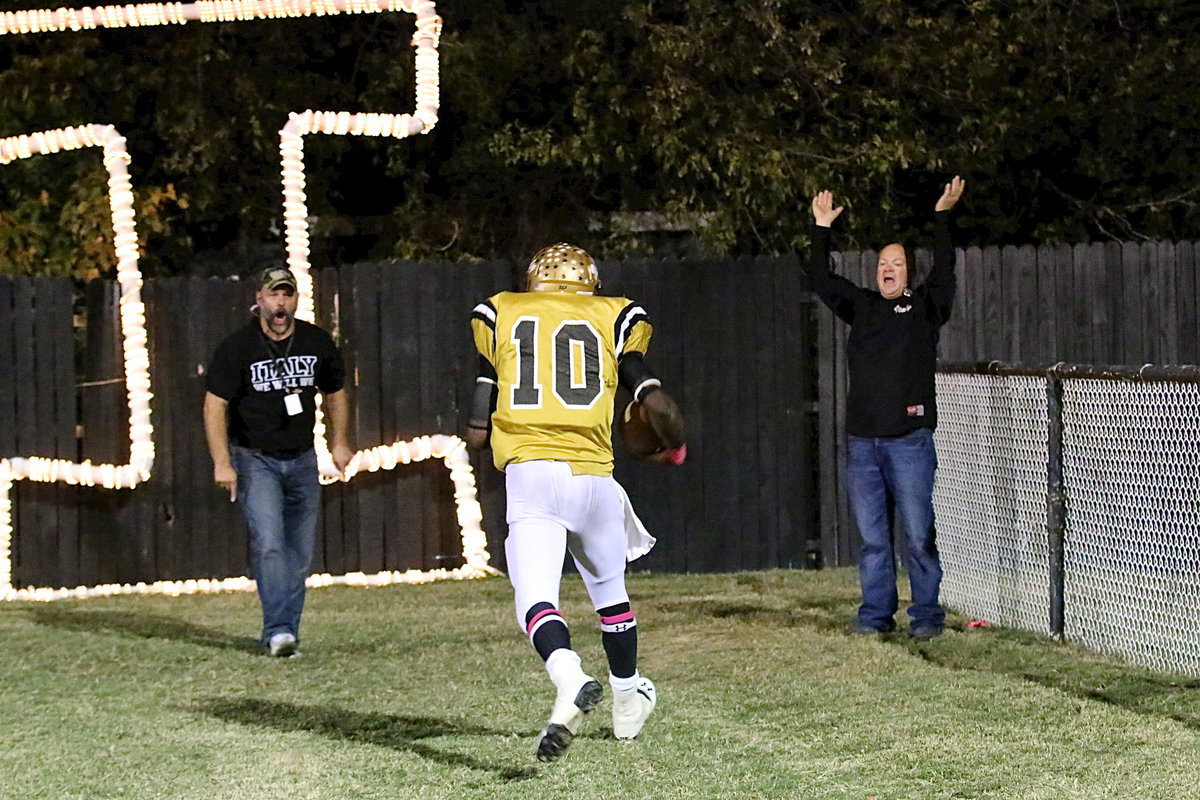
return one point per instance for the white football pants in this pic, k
(551, 510)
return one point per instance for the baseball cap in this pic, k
(275, 277)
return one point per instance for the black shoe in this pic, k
(554, 742)
(925, 632)
(866, 630)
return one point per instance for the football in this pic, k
(636, 432)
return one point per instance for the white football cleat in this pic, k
(630, 712)
(575, 697)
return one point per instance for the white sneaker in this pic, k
(282, 645)
(575, 697)
(631, 711)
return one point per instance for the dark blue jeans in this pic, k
(280, 498)
(895, 473)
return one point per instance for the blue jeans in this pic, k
(280, 498)
(885, 474)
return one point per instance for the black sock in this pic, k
(619, 636)
(547, 629)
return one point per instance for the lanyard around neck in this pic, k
(273, 346)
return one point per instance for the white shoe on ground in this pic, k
(282, 645)
(576, 696)
(631, 711)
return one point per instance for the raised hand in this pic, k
(823, 211)
(951, 194)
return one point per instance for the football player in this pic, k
(550, 362)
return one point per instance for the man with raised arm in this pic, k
(891, 411)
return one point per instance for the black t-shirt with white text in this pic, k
(254, 374)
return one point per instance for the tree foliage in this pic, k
(1072, 120)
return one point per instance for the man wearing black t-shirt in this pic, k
(259, 413)
(891, 411)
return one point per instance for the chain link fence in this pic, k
(1068, 503)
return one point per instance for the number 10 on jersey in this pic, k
(574, 369)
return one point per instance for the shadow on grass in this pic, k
(381, 730)
(825, 615)
(1064, 667)
(769, 598)
(145, 626)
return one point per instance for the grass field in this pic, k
(432, 692)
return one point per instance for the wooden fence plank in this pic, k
(348, 313)
(405, 326)
(457, 369)
(1185, 302)
(1031, 332)
(761, 383)
(436, 395)
(1095, 316)
(392, 305)
(995, 334)
(1011, 306)
(1161, 298)
(1046, 347)
(178, 418)
(65, 564)
(1133, 350)
(367, 392)
(9, 382)
(667, 357)
(827, 446)
(973, 297)
(784, 441)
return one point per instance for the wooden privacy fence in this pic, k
(744, 500)
(756, 363)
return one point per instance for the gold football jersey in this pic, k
(555, 356)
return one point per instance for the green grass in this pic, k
(432, 692)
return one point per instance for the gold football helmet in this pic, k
(563, 267)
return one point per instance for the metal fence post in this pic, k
(1056, 511)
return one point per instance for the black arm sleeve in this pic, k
(636, 376)
(483, 400)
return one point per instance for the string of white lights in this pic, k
(453, 453)
(133, 320)
(133, 329)
(244, 584)
(140, 15)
